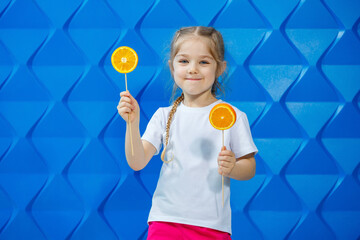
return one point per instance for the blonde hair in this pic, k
(217, 50)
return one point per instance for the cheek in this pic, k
(177, 75)
(211, 73)
(178, 71)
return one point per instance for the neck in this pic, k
(198, 101)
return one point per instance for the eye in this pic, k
(204, 62)
(183, 61)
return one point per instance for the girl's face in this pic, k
(194, 68)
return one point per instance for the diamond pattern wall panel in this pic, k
(294, 68)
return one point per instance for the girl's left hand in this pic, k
(226, 161)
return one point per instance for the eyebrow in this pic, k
(201, 56)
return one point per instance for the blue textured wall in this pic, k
(294, 69)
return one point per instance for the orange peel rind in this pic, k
(124, 59)
(222, 116)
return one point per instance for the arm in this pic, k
(242, 168)
(143, 150)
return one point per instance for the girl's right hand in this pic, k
(128, 105)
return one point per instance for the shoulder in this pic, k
(162, 113)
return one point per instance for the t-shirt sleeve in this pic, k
(241, 141)
(154, 130)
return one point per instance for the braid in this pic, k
(171, 114)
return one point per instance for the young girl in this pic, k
(187, 203)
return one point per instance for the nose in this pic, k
(192, 69)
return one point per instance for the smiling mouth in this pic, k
(193, 79)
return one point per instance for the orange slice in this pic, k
(222, 116)
(124, 59)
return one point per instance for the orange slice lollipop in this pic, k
(222, 116)
(124, 59)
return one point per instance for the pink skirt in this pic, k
(177, 231)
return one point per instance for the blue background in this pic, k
(294, 68)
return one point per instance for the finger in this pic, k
(228, 160)
(222, 158)
(226, 153)
(225, 164)
(125, 93)
(122, 105)
(132, 100)
(223, 171)
(124, 110)
(125, 104)
(125, 99)
(225, 158)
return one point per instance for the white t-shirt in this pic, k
(189, 187)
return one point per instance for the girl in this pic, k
(187, 203)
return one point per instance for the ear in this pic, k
(222, 67)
